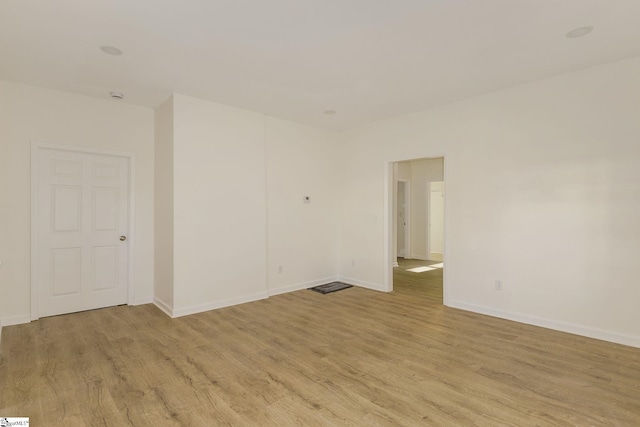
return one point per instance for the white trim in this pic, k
(407, 219)
(15, 320)
(630, 340)
(388, 220)
(80, 149)
(265, 157)
(394, 210)
(34, 231)
(445, 254)
(427, 236)
(163, 306)
(301, 286)
(185, 311)
(132, 226)
(363, 284)
(131, 157)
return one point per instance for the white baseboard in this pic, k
(300, 286)
(185, 311)
(163, 306)
(362, 283)
(15, 320)
(630, 340)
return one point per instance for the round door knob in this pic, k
(123, 238)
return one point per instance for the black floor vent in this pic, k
(330, 287)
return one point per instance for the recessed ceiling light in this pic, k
(329, 112)
(579, 32)
(116, 95)
(110, 50)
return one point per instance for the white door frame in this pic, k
(389, 218)
(35, 147)
(407, 217)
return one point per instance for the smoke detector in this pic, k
(578, 32)
(116, 95)
(110, 50)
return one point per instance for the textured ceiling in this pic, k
(366, 59)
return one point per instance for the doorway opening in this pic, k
(416, 232)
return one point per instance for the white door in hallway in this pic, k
(81, 221)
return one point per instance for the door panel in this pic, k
(83, 209)
(104, 266)
(105, 209)
(66, 271)
(67, 208)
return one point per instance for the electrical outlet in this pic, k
(280, 269)
(353, 263)
(498, 285)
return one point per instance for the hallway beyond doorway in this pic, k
(427, 283)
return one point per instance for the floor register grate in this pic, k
(330, 287)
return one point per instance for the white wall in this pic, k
(229, 197)
(163, 251)
(219, 205)
(404, 171)
(362, 210)
(302, 237)
(32, 114)
(543, 193)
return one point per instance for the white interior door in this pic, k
(82, 225)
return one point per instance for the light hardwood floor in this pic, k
(354, 357)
